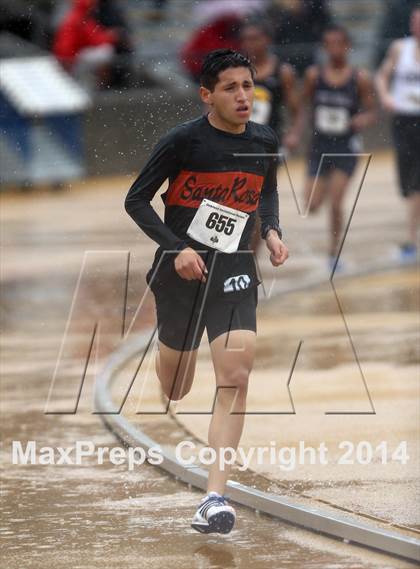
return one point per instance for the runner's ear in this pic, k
(205, 95)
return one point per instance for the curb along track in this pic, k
(280, 507)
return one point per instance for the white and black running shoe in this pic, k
(214, 515)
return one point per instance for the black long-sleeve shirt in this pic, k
(202, 161)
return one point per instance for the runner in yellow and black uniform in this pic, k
(275, 91)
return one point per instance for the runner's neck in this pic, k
(220, 124)
(338, 65)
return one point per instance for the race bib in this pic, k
(217, 226)
(332, 120)
(261, 107)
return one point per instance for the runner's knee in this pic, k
(235, 378)
(175, 388)
(175, 377)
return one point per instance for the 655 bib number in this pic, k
(221, 223)
(217, 226)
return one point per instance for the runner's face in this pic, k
(337, 46)
(232, 97)
(254, 42)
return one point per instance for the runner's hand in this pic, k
(291, 140)
(388, 104)
(190, 266)
(359, 122)
(278, 250)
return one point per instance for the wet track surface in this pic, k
(102, 515)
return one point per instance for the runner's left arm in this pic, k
(288, 80)
(368, 114)
(268, 207)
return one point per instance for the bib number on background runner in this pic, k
(332, 120)
(261, 107)
(218, 226)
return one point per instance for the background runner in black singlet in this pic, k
(341, 99)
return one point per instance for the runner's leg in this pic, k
(406, 140)
(314, 193)
(337, 185)
(233, 357)
(175, 370)
(413, 216)
(180, 326)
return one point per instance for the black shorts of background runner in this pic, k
(334, 155)
(406, 132)
(224, 303)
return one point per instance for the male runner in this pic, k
(398, 84)
(275, 87)
(203, 274)
(342, 101)
(275, 83)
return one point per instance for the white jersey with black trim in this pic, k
(405, 87)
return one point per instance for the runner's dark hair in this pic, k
(217, 61)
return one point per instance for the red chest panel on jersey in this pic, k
(239, 190)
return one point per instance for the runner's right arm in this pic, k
(384, 76)
(288, 80)
(309, 83)
(163, 163)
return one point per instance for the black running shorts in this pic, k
(184, 309)
(326, 156)
(406, 131)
